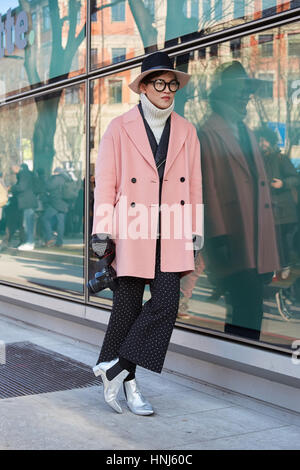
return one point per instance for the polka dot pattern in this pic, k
(141, 333)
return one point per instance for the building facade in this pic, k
(65, 67)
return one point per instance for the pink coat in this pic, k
(128, 182)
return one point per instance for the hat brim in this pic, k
(253, 84)
(182, 77)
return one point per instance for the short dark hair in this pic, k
(147, 79)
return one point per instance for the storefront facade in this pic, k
(65, 67)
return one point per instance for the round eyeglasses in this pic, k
(160, 85)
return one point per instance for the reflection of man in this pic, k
(241, 248)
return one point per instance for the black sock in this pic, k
(130, 376)
(122, 364)
(113, 371)
(128, 365)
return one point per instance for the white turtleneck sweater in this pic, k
(155, 117)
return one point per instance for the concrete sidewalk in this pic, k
(188, 414)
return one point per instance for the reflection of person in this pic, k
(241, 250)
(283, 179)
(27, 202)
(56, 208)
(187, 285)
(3, 194)
(13, 215)
(134, 160)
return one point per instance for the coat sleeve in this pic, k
(105, 185)
(289, 173)
(196, 187)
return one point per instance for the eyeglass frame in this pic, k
(166, 84)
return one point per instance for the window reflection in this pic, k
(250, 135)
(42, 187)
(244, 102)
(54, 43)
(148, 25)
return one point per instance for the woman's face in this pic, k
(160, 99)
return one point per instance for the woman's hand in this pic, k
(276, 183)
(100, 242)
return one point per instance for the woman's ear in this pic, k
(142, 87)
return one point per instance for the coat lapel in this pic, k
(178, 134)
(219, 126)
(135, 129)
(257, 155)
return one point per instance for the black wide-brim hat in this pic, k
(155, 62)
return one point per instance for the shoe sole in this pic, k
(148, 413)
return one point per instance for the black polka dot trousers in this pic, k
(137, 332)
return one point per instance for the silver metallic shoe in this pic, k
(111, 387)
(104, 366)
(135, 400)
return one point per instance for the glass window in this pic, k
(294, 44)
(111, 98)
(268, 7)
(190, 8)
(34, 20)
(202, 53)
(46, 19)
(194, 8)
(94, 56)
(218, 9)
(262, 151)
(266, 45)
(31, 55)
(118, 54)
(115, 91)
(266, 88)
(42, 172)
(92, 137)
(150, 5)
(238, 8)
(235, 47)
(92, 94)
(153, 25)
(78, 19)
(118, 11)
(94, 11)
(72, 94)
(213, 50)
(207, 10)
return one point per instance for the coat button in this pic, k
(267, 206)
(133, 180)
(182, 179)
(182, 202)
(132, 204)
(263, 183)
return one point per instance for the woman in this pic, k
(148, 163)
